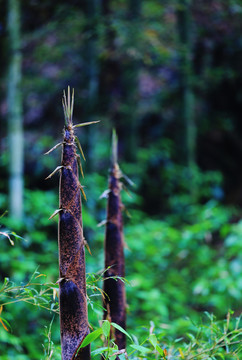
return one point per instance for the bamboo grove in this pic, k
(74, 326)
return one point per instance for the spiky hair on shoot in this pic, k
(114, 289)
(72, 274)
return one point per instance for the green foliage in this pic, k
(35, 292)
(176, 267)
(51, 351)
(210, 339)
(195, 268)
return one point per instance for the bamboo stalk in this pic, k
(73, 299)
(115, 299)
(15, 110)
(72, 273)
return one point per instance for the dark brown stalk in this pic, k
(72, 283)
(115, 300)
(73, 300)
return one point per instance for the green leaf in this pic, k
(221, 356)
(5, 324)
(91, 337)
(99, 351)
(181, 353)
(6, 281)
(5, 212)
(140, 348)
(160, 350)
(116, 326)
(153, 340)
(106, 328)
(210, 316)
(122, 357)
(17, 236)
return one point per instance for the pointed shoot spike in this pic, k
(83, 193)
(64, 97)
(129, 181)
(53, 148)
(56, 169)
(80, 148)
(72, 103)
(104, 195)
(86, 123)
(80, 165)
(55, 213)
(88, 248)
(68, 102)
(68, 105)
(102, 223)
(65, 107)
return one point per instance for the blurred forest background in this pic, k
(167, 75)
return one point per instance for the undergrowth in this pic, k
(209, 339)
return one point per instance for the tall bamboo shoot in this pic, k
(72, 282)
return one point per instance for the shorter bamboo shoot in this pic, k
(115, 299)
